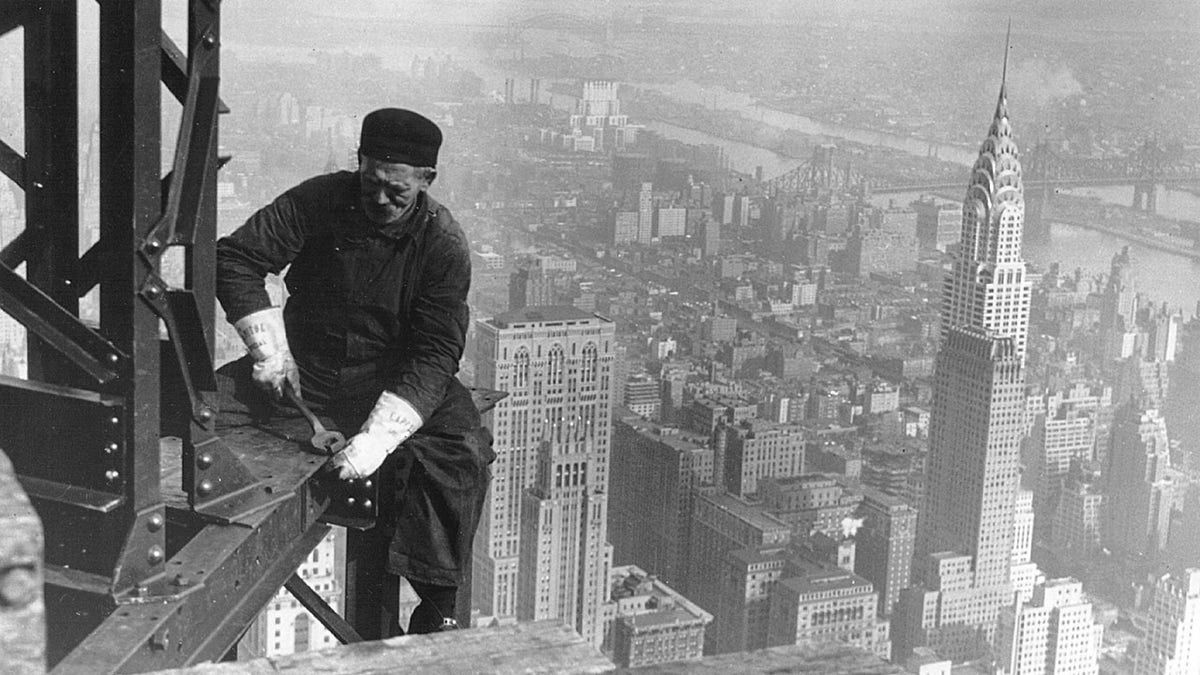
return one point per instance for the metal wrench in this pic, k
(325, 440)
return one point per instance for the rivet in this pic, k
(205, 487)
(114, 420)
(154, 244)
(206, 413)
(153, 292)
(111, 448)
(205, 460)
(154, 555)
(112, 474)
(350, 501)
(209, 40)
(113, 358)
(367, 504)
(154, 523)
(367, 484)
(18, 587)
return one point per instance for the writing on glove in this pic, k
(265, 337)
(390, 423)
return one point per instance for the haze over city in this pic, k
(881, 320)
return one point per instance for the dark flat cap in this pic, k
(400, 136)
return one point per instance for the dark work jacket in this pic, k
(364, 301)
(373, 308)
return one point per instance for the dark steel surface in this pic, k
(145, 569)
(58, 328)
(12, 164)
(51, 170)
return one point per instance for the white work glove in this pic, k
(390, 423)
(266, 338)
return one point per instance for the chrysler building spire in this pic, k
(988, 287)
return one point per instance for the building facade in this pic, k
(1172, 642)
(649, 623)
(542, 549)
(977, 418)
(884, 545)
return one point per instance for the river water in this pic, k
(1163, 276)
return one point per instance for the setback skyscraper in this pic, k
(961, 567)
(542, 551)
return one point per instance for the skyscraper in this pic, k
(542, 550)
(1141, 482)
(1172, 642)
(1053, 634)
(976, 425)
(885, 545)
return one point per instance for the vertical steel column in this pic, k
(130, 204)
(51, 169)
(202, 256)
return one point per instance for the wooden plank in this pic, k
(541, 647)
(825, 659)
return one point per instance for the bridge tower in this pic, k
(1145, 196)
(1037, 201)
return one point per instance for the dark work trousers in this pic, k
(437, 481)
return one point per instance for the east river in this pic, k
(1163, 276)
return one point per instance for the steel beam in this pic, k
(216, 585)
(12, 164)
(51, 171)
(316, 605)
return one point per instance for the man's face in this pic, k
(388, 189)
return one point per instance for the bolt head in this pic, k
(154, 292)
(154, 523)
(155, 555)
(18, 587)
(205, 488)
(205, 460)
(206, 413)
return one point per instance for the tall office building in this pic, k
(755, 449)
(542, 549)
(1141, 482)
(965, 530)
(655, 471)
(1052, 634)
(885, 545)
(722, 525)
(645, 214)
(1172, 642)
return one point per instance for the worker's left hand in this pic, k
(390, 423)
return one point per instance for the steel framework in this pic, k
(142, 573)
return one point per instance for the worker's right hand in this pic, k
(264, 335)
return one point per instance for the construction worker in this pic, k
(373, 329)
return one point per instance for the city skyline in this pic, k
(752, 390)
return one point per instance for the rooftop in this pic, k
(543, 314)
